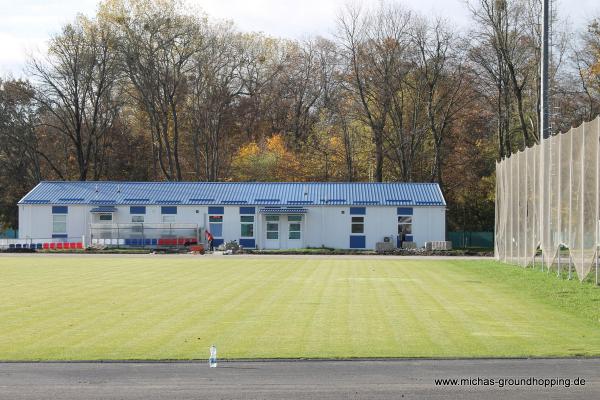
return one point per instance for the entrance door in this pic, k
(272, 239)
(294, 232)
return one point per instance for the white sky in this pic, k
(26, 25)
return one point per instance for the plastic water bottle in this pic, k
(212, 361)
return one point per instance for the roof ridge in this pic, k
(249, 183)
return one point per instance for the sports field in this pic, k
(162, 307)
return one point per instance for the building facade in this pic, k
(256, 215)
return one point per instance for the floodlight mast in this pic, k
(544, 95)
(544, 103)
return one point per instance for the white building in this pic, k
(257, 215)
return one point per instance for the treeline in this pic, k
(156, 90)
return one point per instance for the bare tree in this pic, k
(76, 85)
(215, 85)
(374, 44)
(442, 71)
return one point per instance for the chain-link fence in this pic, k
(465, 239)
(547, 198)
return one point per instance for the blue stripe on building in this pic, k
(357, 242)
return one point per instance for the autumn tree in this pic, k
(20, 155)
(157, 41)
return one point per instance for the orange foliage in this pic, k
(268, 161)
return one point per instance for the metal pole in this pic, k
(544, 95)
(558, 273)
(570, 266)
(544, 131)
(596, 265)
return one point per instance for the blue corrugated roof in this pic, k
(224, 193)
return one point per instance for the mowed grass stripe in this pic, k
(174, 308)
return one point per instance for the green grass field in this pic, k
(162, 307)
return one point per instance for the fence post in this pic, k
(558, 273)
(596, 265)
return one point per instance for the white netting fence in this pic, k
(547, 197)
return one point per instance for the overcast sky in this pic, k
(26, 25)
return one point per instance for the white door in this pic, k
(272, 232)
(294, 232)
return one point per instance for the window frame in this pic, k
(247, 223)
(54, 223)
(357, 224)
(103, 217)
(211, 225)
(168, 218)
(295, 231)
(405, 223)
(272, 222)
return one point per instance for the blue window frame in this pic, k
(358, 242)
(246, 210)
(168, 210)
(138, 210)
(216, 210)
(60, 210)
(405, 211)
(358, 210)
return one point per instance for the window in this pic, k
(105, 217)
(137, 210)
(404, 225)
(59, 223)
(272, 227)
(295, 227)
(295, 231)
(215, 226)
(247, 226)
(358, 224)
(168, 219)
(137, 219)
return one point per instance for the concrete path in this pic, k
(394, 379)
